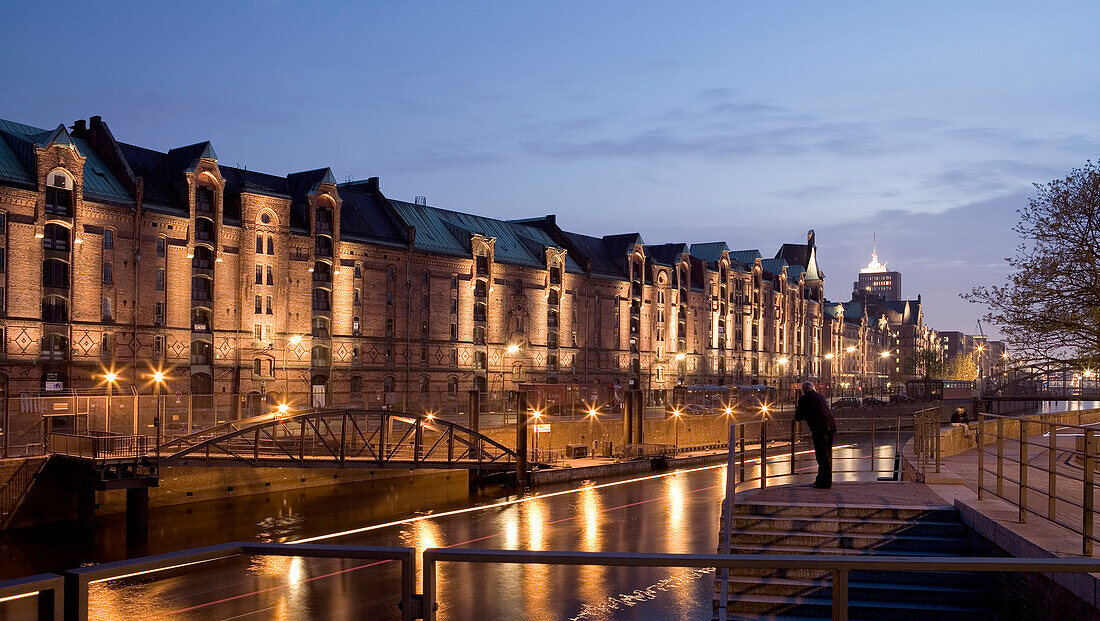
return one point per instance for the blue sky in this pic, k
(750, 122)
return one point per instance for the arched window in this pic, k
(200, 319)
(201, 352)
(322, 271)
(319, 356)
(479, 335)
(388, 384)
(425, 385)
(482, 261)
(204, 258)
(204, 199)
(322, 299)
(270, 245)
(555, 274)
(55, 309)
(324, 219)
(204, 230)
(553, 298)
(202, 384)
(322, 246)
(59, 193)
(355, 326)
(480, 289)
(358, 270)
(201, 288)
(55, 347)
(320, 328)
(56, 237)
(480, 384)
(479, 311)
(356, 387)
(452, 386)
(55, 273)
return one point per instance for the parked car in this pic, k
(872, 402)
(901, 399)
(846, 402)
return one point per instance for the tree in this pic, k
(925, 363)
(961, 367)
(1049, 309)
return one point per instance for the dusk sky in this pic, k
(925, 123)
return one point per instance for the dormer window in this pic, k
(324, 220)
(555, 274)
(482, 264)
(59, 194)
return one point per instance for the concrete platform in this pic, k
(886, 494)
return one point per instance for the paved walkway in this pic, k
(898, 495)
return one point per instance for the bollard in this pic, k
(1023, 471)
(1087, 499)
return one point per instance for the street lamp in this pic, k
(593, 416)
(110, 377)
(885, 355)
(158, 379)
(510, 349)
(293, 340)
(676, 425)
(537, 414)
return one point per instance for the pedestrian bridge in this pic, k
(345, 438)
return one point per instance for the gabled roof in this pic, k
(365, 215)
(449, 232)
(773, 266)
(710, 252)
(746, 257)
(666, 254)
(794, 254)
(606, 258)
(17, 161)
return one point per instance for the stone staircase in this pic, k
(774, 528)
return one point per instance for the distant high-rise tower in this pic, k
(875, 279)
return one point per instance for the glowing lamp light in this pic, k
(729, 411)
(676, 413)
(511, 349)
(283, 407)
(429, 415)
(851, 348)
(885, 354)
(681, 356)
(592, 413)
(782, 360)
(297, 338)
(828, 356)
(110, 376)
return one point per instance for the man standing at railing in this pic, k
(814, 410)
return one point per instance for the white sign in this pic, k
(543, 428)
(53, 386)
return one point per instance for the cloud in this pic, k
(811, 192)
(986, 176)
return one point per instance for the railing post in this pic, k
(981, 455)
(1087, 499)
(427, 602)
(1023, 471)
(1052, 468)
(408, 585)
(794, 435)
(840, 595)
(936, 434)
(741, 470)
(1000, 457)
(764, 451)
(873, 455)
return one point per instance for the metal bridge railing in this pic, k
(1010, 455)
(75, 605)
(840, 566)
(98, 445)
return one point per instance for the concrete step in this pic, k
(749, 548)
(949, 594)
(956, 579)
(848, 511)
(934, 528)
(880, 543)
(821, 607)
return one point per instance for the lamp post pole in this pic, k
(158, 379)
(293, 340)
(110, 377)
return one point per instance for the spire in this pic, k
(874, 265)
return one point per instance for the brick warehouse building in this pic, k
(248, 287)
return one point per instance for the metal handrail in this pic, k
(47, 588)
(839, 565)
(992, 430)
(78, 580)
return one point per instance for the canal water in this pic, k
(672, 512)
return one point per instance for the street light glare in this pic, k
(297, 338)
(885, 354)
(851, 348)
(782, 360)
(681, 356)
(828, 356)
(283, 407)
(110, 376)
(158, 376)
(512, 349)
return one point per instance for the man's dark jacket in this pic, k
(814, 409)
